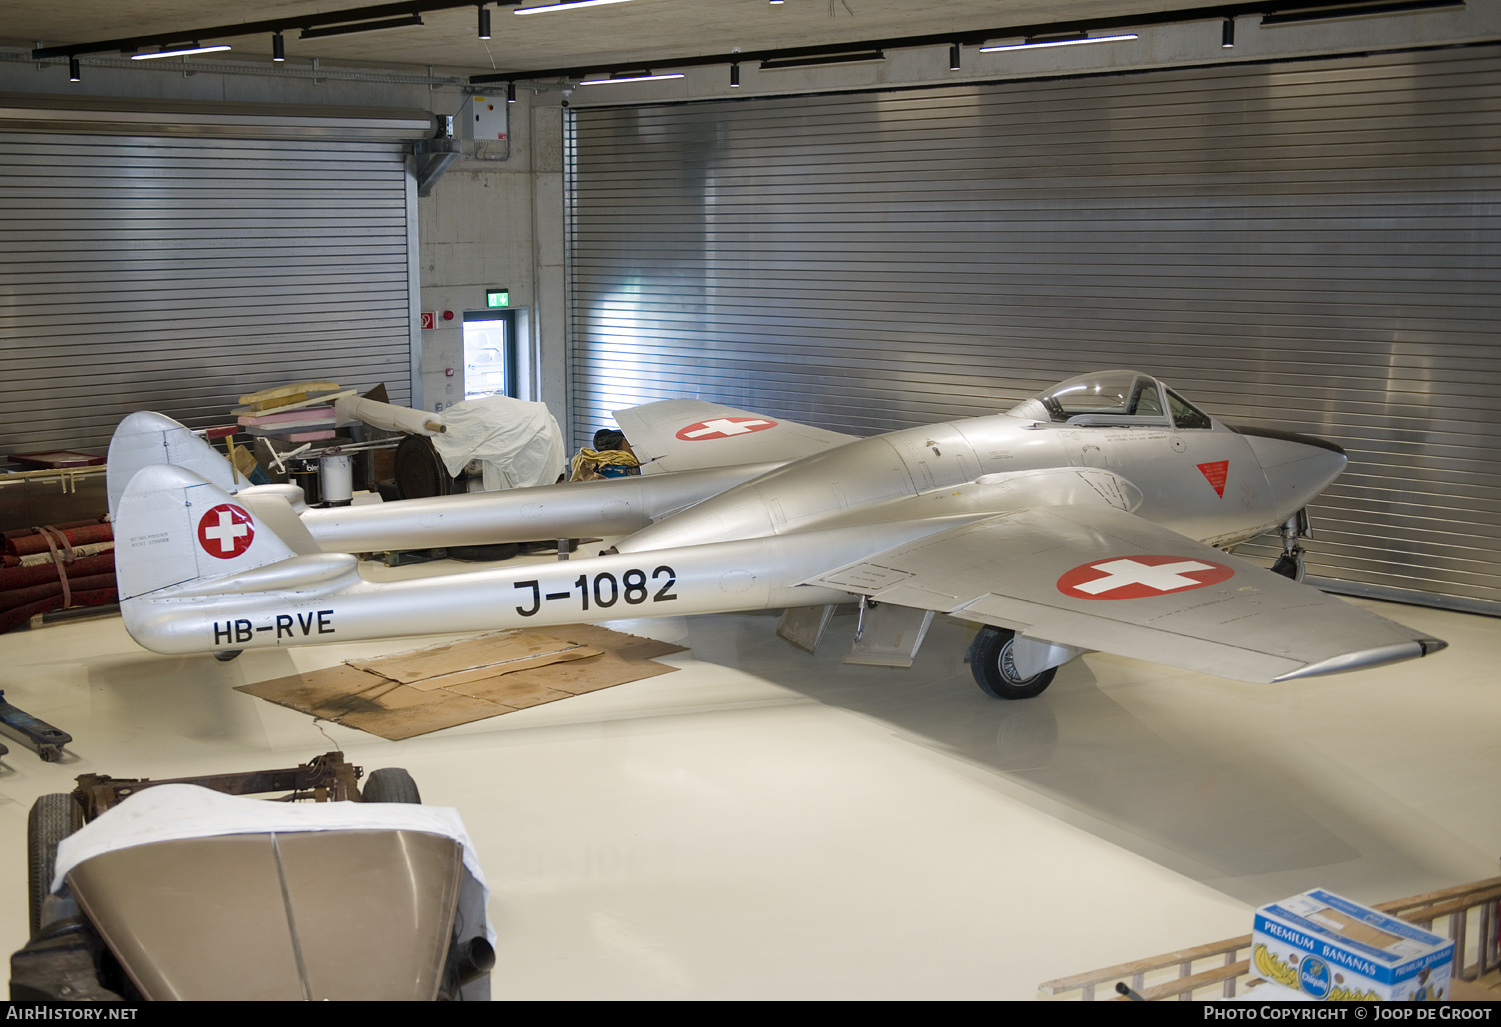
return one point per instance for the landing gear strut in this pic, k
(991, 662)
(1291, 564)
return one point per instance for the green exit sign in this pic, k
(497, 297)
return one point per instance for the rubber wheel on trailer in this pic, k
(390, 784)
(990, 661)
(420, 473)
(53, 817)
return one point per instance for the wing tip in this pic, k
(1364, 659)
(1432, 645)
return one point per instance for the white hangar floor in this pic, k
(765, 824)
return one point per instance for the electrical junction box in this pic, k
(1328, 948)
(487, 118)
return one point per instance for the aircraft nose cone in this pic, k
(1297, 467)
(1331, 462)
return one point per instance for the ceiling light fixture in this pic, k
(1227, 34)
(1330, 12)
(511, 91)
(954, 57)
(179, 51)
(278, 48)
(735, 75)
(484, 22)
(410, 21)
(631, 76)
(1073, 39)
(74, 70)
(565, 5)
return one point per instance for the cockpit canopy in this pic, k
(1113, 398)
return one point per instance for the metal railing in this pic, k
(1468, 914)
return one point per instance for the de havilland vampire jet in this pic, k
(1094, 516)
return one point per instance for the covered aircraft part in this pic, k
(198, 895)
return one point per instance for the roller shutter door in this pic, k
(1313, 246)
(176, 274)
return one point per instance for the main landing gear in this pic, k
(1291, 563)
(992, 662)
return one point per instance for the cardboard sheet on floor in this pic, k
(421, 690)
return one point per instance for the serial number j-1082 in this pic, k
(633, 587)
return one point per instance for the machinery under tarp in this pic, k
(517, 443)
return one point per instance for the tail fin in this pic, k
(147, 439)
(172, 527)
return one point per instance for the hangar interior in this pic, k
(856, 215)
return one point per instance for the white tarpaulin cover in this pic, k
(173, 812)
(519, 444)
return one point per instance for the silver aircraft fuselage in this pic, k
(1234, 499)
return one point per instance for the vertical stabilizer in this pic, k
(146, 439)
(173, 527)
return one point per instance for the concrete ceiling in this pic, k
(622, 33)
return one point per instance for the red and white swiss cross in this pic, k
(225, 531)
(1141, 577)
(724, 428)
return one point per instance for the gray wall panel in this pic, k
(177, 274)
(1309, 245)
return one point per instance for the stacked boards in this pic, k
(292, 413)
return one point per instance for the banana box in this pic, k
(1329, 948)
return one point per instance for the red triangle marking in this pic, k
(1216, 473)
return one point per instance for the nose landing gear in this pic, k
(1291, 563)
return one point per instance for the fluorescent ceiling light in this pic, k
(644, 76)
(181, 51)
(565, 5)
(1041, 41)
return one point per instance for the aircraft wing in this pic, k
(1097, 577)
(689, 434)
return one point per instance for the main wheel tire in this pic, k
(390, 784)
(53, 817)
(990, 661)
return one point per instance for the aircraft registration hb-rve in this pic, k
(1091, 517)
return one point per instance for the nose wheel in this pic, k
(1291, 563)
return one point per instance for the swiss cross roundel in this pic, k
(225, 531)
(724, 428)
(1141, 577)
